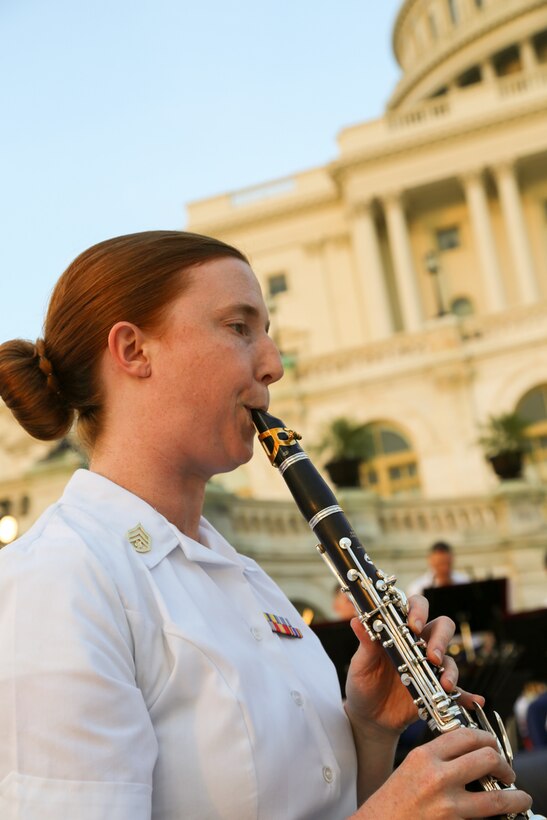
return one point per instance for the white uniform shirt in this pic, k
(137, 686)
(428, 580)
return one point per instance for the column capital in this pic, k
(394, 196)
(504, 166)
(472, 175)
(361, 207)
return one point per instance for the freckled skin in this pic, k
(214, 360)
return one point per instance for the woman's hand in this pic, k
(376, 698)
(430, 782)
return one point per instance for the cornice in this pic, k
(339, 167)
(451, 45)
(404, 141)
(283, 209)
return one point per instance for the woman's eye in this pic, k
(240, 327)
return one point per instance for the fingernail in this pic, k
(418, 626)
(437, 655)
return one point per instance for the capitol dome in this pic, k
(443, 45)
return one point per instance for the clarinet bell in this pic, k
(504, 745)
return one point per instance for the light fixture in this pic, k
(432, 266)
(9, 527)
(431, 260)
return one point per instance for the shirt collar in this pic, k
(120, 510)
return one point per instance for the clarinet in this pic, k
(381, 607)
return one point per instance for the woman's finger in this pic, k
(438, 634)
(418, 611)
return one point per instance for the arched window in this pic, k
(393, 469)
(533, 408)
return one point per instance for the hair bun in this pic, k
(46, 367)
(30, 389)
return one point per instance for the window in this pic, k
(479, 4)
(462, 306)
(393, 468)
(448, 238)
(433, 26)
(533, 407)
(507, 61)
(440, 92)
(470, 77)
(540, 45)
(454, 11)
(277, 283)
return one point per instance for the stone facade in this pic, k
(407, 278)
(434, 211)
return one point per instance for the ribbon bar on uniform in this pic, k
(282, 626)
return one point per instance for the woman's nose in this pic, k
(272, 367)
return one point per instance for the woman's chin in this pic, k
(243, 456)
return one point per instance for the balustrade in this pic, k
(449, 337)
(412, 521)
(501, 534)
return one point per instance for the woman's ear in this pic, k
(128, 350)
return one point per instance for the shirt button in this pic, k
(297, 697)
(256, 633)
(328, 774)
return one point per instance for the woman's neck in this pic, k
(178, 498)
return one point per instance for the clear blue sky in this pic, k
(116, 114)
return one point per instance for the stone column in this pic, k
(405, 273)
(371, 271)
(468, 9)
(484, 240)
(516, 231)
(528, 56)
(322, 298)
(445, 18)
(487, 71)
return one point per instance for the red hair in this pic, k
(131, 278)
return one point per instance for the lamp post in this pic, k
(433, 267)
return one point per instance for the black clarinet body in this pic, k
(379, 604)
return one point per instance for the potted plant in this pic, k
(346, 443)
(504, 443)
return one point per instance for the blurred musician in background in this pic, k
(441, 571)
